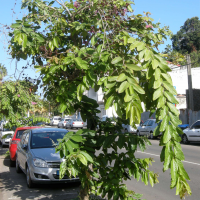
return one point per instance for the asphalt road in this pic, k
(162, 191)
(13, 185)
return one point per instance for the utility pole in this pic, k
(191, 105)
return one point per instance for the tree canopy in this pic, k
(91, 44)
(187, 39)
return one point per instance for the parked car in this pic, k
(36, 156)
(9, 133)
(15, 140)
(183, 126)
(55, 120)
(147, 128)
(63, 122)
(74, 123)
(192, 134)
(128, 128)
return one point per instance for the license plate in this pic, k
(57, 172)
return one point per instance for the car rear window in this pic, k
(19, 133)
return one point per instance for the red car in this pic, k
(15, 140)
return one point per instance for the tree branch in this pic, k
(62, 4)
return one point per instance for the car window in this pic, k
(19, 133)
(150, 123)
(196, 125)
(23, 138)
(46, 139)
(26, 139)
(145, 123)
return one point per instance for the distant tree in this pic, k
(173, 56)
(3, 72)
(187, 40)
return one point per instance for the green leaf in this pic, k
(174, 119)
(81, 63)
(121, 141)
(125, 40)
(133, 67)
(63, 107)
(167, 77)
(81, 88)
(93, 40)
(161, 101)
(141, 46)
(24, 40)
(170, 97)
(124, 85)
(116, 60)
(76, 138)
(174, 169)
(157, 93)
(157, 83)
(167, 134)
(129, 8)
(155, 63)
(173, 108)
(157, 73)
(55, 42)
(51, 45)
(169, 87)
(179, 153)
(83, 159)
(147, 55)
(87, 156)
(164, 123)
(131, 40)
(138, 88)
(109, 102)
(110, 85)
(16, 25)
(121, 77)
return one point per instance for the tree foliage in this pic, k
(92, 44)
(15, 101)
(187, 39)
(3, 72)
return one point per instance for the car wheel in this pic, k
(138, 133)
(12, 163)
(151, 135)
(18, 169)
(29, 182)
(185, 139)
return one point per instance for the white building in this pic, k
(180, 82)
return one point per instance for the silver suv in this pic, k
(36, 156)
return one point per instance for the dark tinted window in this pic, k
(19, 133)
(196, 125)
(46, 139)
(145, 123)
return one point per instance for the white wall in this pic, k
(180, 79)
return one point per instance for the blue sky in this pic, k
(172, 13)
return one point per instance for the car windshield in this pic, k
(46, 139)
(19, 133)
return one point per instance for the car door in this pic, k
(143, 128)
(19, 148)
(194, 132)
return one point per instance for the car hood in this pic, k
(47, 154)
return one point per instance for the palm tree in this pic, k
(3, 72)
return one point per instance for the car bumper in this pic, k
(77, 126)
(48, 175)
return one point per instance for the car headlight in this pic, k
(39, 162)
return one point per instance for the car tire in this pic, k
(18, 169)
(185, 139)
(151, 135)
(29, 182)
(138, 133)
(12, 163)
